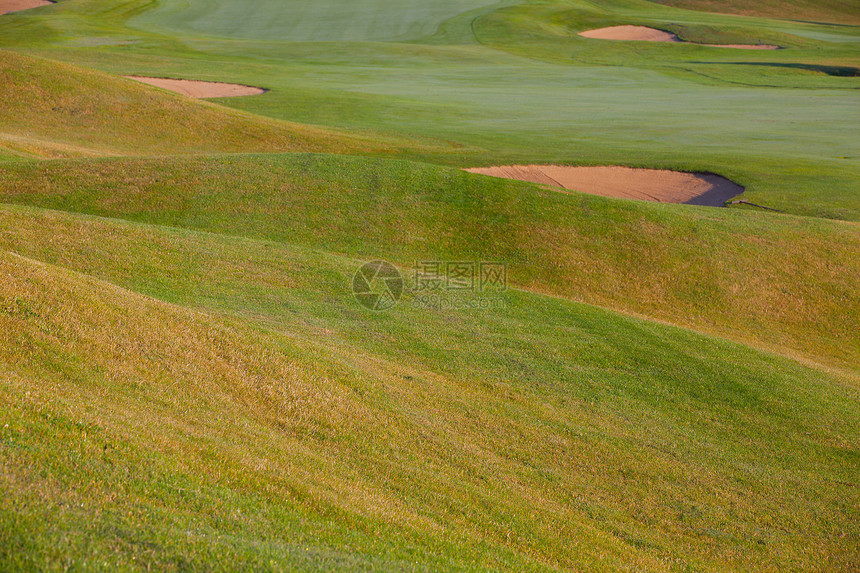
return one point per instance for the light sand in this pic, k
(645, 184)
(645, 34)
(198, 89)
(631, 33)
(7, 6)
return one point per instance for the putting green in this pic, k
(301, 21)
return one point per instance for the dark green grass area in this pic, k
(780, 281)
(836, 71)
(543, 435)
(835, 11)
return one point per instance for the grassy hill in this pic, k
(57, 110)
(782, 282)
(269, 422)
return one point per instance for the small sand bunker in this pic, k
(8, 6)
(646, 184)
(646, 34)
(198, 89)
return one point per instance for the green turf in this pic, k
(298, 21)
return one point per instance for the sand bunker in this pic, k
(645, 34)
(198, 89)
(631, 33)
(645, 184)
(8, 6)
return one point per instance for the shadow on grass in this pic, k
(839, 71)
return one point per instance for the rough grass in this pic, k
(785, 283)
(277, 425)
(56, 110)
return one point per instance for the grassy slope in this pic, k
(783, 282)
(836, 11)
(54, 109)
(559, 436)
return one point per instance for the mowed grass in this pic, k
(789, 284)
(271, 422)
(295, 20)
(550, 31)
(501, 84)
(836, 11)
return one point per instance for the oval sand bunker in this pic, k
(646, 34)
(198, 89)
(646, 184)
(9, 6)
(631, 33)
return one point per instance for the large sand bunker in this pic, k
(645, 184)
(198, 89)
(8, 6)
(645, 34)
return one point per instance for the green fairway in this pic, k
(190, 379)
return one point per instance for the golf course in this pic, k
(450, 285)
